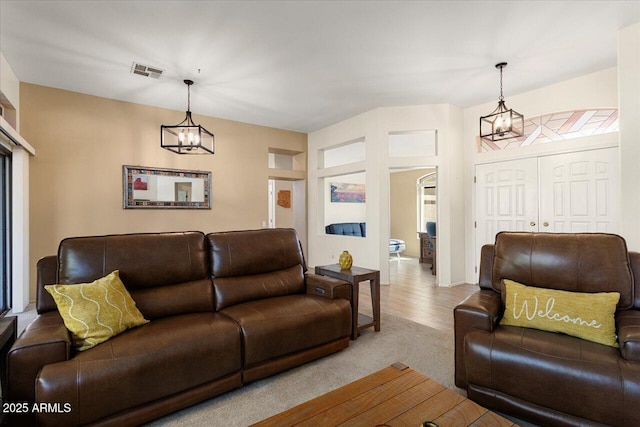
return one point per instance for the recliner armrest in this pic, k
(47, 268)
(628, 327)
(480, 311)
(486, 267)
(46, 340)
(327, 287)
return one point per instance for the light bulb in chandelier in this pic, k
(499, 124)
(502, 125)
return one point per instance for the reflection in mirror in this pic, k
(146, 187)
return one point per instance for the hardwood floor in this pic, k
(413, 295)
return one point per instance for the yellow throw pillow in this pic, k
(94, 312)
(589, 316)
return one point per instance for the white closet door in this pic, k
(579, 192)
(506, 199)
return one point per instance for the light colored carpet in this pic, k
(424, 349)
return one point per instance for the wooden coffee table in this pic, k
(395, 396)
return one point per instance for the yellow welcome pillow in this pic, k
(94, 312)
(589, 316)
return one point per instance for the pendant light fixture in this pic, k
(503, 122)
(187, 137)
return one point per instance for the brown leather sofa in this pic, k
(544, 377)
(224, 309)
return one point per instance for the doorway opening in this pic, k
(287, 206)
(412, 204)
(281, 212)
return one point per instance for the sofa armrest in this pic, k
(480, 311)
(628, 327)
(485, 279)
(46, 269)
(46, 340)
(327, 287)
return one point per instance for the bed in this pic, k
(396, 246)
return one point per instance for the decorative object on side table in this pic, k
(345, 260)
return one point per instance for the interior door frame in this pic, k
(433, 169)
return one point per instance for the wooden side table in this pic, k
(354, 276)
(8, 335)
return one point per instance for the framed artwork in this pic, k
(284, 198)
(347, 193)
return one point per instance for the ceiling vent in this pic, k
(146, 70)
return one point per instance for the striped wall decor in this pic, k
(558, 127)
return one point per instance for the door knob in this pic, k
(546, 224)
(533, 224)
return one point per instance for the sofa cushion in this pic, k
(583, 315)
(577, 262)
(245, 253)
(279, 326)
(172, 300)
(235, 290)
(145, 261)
(141, 258)
(581, 378)
(142, 365)
(94, 312)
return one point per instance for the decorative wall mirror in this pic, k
(147, 187)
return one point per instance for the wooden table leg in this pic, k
(375, 300)
(355, 289)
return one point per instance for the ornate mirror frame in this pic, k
(163, 188)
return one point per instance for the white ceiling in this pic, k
(303, 65)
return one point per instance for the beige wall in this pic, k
(82, 142)
(629, 104)
(403, 209)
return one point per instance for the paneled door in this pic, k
(564, 193)
(506, 199)
(580, 192)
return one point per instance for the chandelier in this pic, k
(503, 122)
(187, 137)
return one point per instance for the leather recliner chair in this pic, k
(545, 377)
